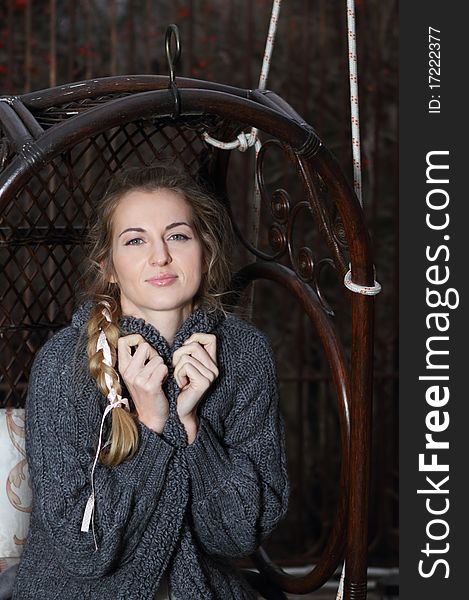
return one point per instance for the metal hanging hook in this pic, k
(172, 31)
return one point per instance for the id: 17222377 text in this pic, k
(434, 82)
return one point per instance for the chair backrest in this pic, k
(56, 150)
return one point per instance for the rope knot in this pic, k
(243, 142)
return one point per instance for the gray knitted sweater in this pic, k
(176, 508)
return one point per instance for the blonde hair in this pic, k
(214, 229)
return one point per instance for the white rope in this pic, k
(242, 143)
(269, 45)
(340, 591)
(367, 290)
(354, 112)
(246, 140)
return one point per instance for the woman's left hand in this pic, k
(195, 369)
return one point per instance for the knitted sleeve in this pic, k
(239, 481)
(60, 464)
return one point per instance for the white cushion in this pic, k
(15, 484)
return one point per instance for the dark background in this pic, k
(45, 43)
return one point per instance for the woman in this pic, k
(193, 472)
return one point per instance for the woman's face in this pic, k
(152, 237)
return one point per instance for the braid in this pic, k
(124, 434)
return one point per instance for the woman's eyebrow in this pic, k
(171, 226)
(177, 225)
(139, 229)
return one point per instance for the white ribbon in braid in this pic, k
(115, 400)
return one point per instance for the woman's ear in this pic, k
(108, 273)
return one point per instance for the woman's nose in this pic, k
(160, 255)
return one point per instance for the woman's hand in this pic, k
(143, 374)
(195, 369)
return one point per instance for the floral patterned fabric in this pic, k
(15, 488)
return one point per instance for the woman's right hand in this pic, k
(143, 374)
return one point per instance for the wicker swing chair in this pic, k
(56, 148)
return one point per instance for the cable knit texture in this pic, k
(176, 508)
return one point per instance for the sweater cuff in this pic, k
(148, 465)
(207, 461)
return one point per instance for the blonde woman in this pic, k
(153, 433)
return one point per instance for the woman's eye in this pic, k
(134, 242)
(180, 235)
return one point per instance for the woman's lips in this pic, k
(163, 281)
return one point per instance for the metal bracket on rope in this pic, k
(367, 290)
(172, 62)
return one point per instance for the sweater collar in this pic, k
(200, 320)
